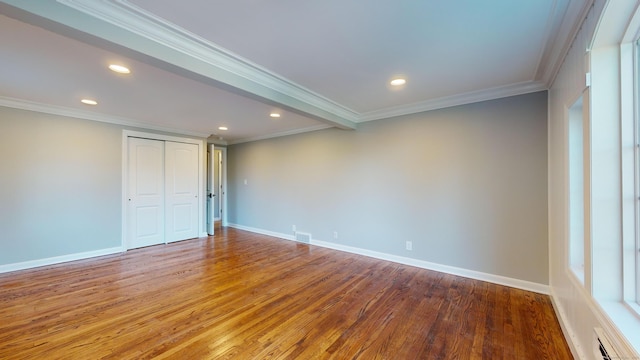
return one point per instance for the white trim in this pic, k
(284, 133)
(565, 325)
(92, 116)
(477, 275)
(543, 56)
(629, 169)
(560, 51)
(211, 188)
(89, 115)
(455, 100)
(59, 259)
(124, 188)
(632, 33)
(483, 95)
(224, 205)
(262, 231)
(225, 195)
(202, 187)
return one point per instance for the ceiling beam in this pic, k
(161, 44)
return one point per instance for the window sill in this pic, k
(627, 320)
(578, 273)
(635, 308)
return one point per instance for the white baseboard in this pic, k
(59, 259)
(496, 279)
(262, 232)
(565, 325)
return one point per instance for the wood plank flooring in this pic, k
(240, 295)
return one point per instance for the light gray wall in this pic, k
(59, 186)
(467, 185)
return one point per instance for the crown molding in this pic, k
(136, 20)
(49, 109)
(572, 20)
(280, 134)
(90, 115)
(455, 100)
(551, 33)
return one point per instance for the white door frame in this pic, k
(202, 155)
(211, 227)
(222, 199)
(223, 182)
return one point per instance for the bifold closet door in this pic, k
(181, 191)
(146, 192)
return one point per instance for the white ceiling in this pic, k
(200, 64)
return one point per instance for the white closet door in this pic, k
(181, 194)
(146, 191)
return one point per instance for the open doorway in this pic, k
(216, 188)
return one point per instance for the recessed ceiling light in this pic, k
(119, 69)
(398, 82)
(89, 102)
(274, 115)
(223, 128)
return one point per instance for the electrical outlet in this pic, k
(293, 228)
(246, 182)
(409, 245)
(335, 234)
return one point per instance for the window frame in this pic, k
(630, 107)
(636, 130)
(613, 77)
(576, 186)
(629, 97)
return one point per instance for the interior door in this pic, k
(145, 220)
(181, 191)
(211, 186)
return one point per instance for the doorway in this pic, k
(216, 188)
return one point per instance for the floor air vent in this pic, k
(303, 237)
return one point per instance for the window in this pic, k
(636, 132)
(630, 159)
(576, 189)
(613, 206)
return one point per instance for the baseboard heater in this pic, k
(604, 349)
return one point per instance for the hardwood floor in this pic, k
(246, 296)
